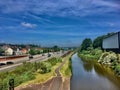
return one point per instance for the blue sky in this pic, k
(57, 22)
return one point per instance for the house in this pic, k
(9, 51)
(112, 42)
(17, 51)
(24, 51)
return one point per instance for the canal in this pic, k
(92, 76)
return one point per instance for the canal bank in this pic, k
(57, 82)
(92, 76)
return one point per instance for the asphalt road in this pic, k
(38, 59)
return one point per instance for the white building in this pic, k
(17, 51)
(112, 42)
(9, 51)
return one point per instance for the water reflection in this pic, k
(92, 76)
(101, 71)
(88, 67)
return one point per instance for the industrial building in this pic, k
(112, 42)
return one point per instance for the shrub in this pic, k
(54, 60)
(117, 69)
(108, 58)
(91, 54)
(45, 68)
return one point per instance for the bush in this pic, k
(108, 58)
(117, 69)
(45, 67)
(54, 60)
(91, 54)
(32, 52)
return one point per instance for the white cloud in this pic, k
(28, 25)
(107, 3)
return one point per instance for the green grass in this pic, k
(90, 54)
(33, 73)
(88, 58)
(66, 69)
(26, 73)
(41, 78)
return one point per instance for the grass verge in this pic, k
(41, 78)
(88, 58)
(66, 70)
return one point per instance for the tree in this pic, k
(98, 42)
(32, 52)
(56, 48)
(86, 43)
(1, 51)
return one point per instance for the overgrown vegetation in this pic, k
(90, 55)
(111, 60)
(90, 51)
(87, 52)
(27, 72)
(66, 70)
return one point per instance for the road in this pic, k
(37, 59)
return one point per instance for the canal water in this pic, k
(92, 76)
